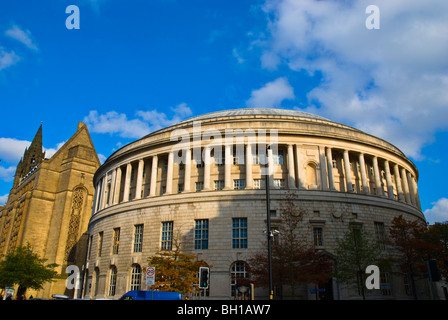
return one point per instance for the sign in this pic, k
(314, 291)
(9, 293)
(150, 276)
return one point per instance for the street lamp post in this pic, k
(268, 225)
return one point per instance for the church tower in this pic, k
(32, 158)
(50, 205)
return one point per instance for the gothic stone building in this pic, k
(189, 183)
(50, 204)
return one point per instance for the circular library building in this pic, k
(199, 186)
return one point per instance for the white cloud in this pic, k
(114, 123)
(439, 211)
(7, 174)
(271, 94)
(390, 82)
(11, 150)
(23, 36)
(51, 151)
(145, 123)
(238, 56)
(102, 157)
(7, 58)
(3, 199)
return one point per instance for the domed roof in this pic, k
(254, 112)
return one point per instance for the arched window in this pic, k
(311, 176)
(97, 280)
(136, 277)
(112, 280)
(77, 208)
(238, 272)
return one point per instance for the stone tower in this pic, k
(50, 205)
(32, 158)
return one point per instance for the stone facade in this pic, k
(207, 173)
(50, 204)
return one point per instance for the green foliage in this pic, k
(176, 271)
(24, 268)
(355, 251)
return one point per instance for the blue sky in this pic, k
(136, 66)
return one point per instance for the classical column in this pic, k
(187, 176)
(405, 185)
(348, 174)
(97, 196)
(411, 188)
(207, 160)
(417, 197)
(291, 171)
(228, 168)
(330, 169)
(249, 179)
(376, 172)
(138, 186)
(127, 182)
(398, 183)
(112, 188)
(169, 174)
(146, 181)
(362, 168)
(299, 169)
(117, 186)
(323, 168)
(153, 184)
(390, 186)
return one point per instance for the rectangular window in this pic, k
(279, 183)
(100, 244)
(167, 235)
(318, 237)
(379, 233)
(277, 159)
(116, 241)
(219, 159)
(201, 234)
(239, 184)
(259, 159)
(259, 184)
(200, 165)
(90, 245)
(239, 233)
(180, 187)
(238, 159)
(385, 284)
(219, 184)
(199, 185)
(138, 237)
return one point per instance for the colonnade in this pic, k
(329, 168)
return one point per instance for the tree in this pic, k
(438, 232)
(316, 267)
(176, 271)
(26, 269)
(355, 251)
(415, 245)
(294, 260)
